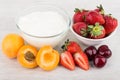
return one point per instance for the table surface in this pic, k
(10, 68)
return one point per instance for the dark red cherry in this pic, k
(90, 51)
(102, 47)
(99, 61)
(104, 51)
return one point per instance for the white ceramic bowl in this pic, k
(39, 41)
(88, 41)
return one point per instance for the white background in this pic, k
(10, 68)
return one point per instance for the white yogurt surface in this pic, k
(42, 23)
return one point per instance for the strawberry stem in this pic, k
(90, 27)
(76, 10)
(96, 30)
(64, 47)
(101, 9)
(83, 32)
(110, 14)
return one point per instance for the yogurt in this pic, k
(41, 28)
(42, 24)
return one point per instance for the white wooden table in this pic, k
(10, 68)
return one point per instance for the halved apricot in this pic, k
(47, 58)
(27, 56)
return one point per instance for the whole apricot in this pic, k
(11, 44)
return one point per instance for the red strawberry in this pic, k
(97, 31)
(71, 46)
(80, 28)
(110, 24)
(67, 61)
(79, 15)
(81, 60)
(93, 16)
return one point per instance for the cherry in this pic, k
(90, 52)
(102, 47)
(99, 61)
(104, 51)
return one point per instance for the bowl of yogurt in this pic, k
(43, 25)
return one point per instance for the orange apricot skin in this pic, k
(11, 44)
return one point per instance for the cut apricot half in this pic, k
(47, 58)
(27, 56)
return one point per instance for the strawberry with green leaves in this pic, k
(71, 46)
(80, 28)
(97, 31)
(73, 54)
(79, 15)
(110, 24)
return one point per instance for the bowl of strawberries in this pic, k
(92, 27)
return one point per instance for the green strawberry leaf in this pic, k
(90, 27)
(83, 32)
(102, 11)
(77, 10)
(96, 30)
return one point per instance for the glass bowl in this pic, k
(41, 40)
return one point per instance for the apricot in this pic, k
(27, 56)
(47, 58)
(11, 44)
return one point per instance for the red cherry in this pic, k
(103, 47)
(104, 51)
(90, 52)
(99, 61)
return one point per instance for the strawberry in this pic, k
(79, 15)
(81, 60)
(67, 61)
(71, 46)
(93, 16)
(80, 28)
(110, 24)
(97, 31)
